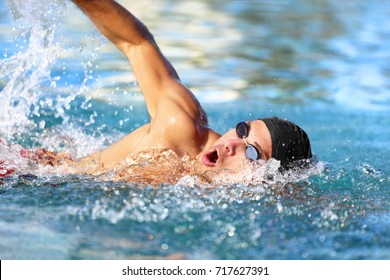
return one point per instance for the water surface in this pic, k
(322, 64)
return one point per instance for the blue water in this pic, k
(322, 64)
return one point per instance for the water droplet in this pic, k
(42, 124)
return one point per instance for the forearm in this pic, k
(115, 22)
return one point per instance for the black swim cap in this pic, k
(289, 141)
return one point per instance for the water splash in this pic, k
(27, 72)
(126, 201)
(257, 173)
(37, 103)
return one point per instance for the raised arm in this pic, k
(154, 73)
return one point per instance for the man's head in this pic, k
(267, 138)
(289, 141)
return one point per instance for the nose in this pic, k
(231, 147)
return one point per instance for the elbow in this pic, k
(134, 44)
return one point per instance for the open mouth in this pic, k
(210, 158)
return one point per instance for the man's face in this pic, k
(228, 152)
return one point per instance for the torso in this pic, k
(163, 151)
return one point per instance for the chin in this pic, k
(200, 167)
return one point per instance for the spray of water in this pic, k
(27, 72)
(35, 102)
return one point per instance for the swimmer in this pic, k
(178, 127)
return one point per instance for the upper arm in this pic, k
(154, 73)
(158, 80)
(156, 77)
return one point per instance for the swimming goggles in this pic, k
(251, 152)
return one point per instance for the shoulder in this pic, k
(178, 103)
(180, 121)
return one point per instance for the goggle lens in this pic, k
(251, 152)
